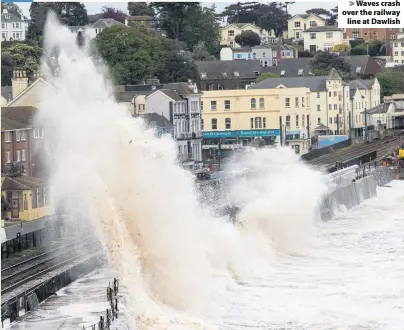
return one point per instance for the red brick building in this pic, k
(367, 34)
(21, 141)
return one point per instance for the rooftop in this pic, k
(21, 183)
(226, 70)
(17, 117)
(154, 119)
(182, 88)
(172, 94)
(326, 28)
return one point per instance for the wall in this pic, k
(355, 193)
(324, 41)
(304, 24)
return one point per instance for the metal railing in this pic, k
(111, 313)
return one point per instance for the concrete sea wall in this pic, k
(353, 194)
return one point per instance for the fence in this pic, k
(111, 314)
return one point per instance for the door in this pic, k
(313, 48)
(15, 212)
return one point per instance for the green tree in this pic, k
(340, 48)
(201, 26)
(319, 12)
(266, 75)
(242, 12)
(248, 38)
(332, 20)
(140, 9)
(391, 82)
(201, 53)
(116, 14)
(304, 53)
(273, 17)
(323, 62)
(132, 54)
(69, 13)
(12, 9)
(174, 17)
(19, 56)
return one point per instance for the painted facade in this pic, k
(300, 23)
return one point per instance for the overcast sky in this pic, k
(95, 8)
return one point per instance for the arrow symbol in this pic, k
(351, 3)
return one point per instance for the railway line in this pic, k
(375, 146)
(21, 273)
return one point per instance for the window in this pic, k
(230, 33)
(297, 24)
(283, 72)
(38, 133)
(236, 74)
(201, 124)
(23, 155)
(296, 102)
(329, 94)
(8, 157)
(201, 105)
(303, 121)
(228, 123)
(300, 72)
(287, 123)
(262, 103)
(313, 23)
(330, 120)
(258, 122)
(263, 54)
(224, 74)
(16, 35)
(212, 105)
(318, 95)
(288, 53)
(46, 196)
(18, 136)
(287, 102)
(358, 69)
(335, 106)
(253, 103)
(40, 197)
(264, 122)
(227, 104)
(303, 101)
(297, 35)
(297, 121)
(214, 123)
(254, 55)
(7, 137)
(4, 35)
(318, 107)
(330, 107)
(252, 123)
(34, 199)
(335, 94)
(203, 75)
(312, 36)
(318, 121)
(256, 73)
(335, 120)
(329, 35)
(18, 155)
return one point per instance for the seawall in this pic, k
(363, 187)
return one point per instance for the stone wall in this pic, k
(355, 193)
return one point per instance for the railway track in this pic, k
(27, 269)
(356, 152)
(16, 284)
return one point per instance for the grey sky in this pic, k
(94, 8)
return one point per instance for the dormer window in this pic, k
(7, 16)
(283, 72)
(236, 74)
(203, 75)
(256, 73)
(358, 69)
(224, 74)
(300, 72)
(263, 54)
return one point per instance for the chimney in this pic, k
(19, 82)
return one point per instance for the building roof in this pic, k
(142, 18)
(398, 40)
(17, 117)
(182, 88)
(7, 92)
(171, 94)
(22, 183)
(226, 70)
(361, 83)
(94, 18)
(291, 66)
(379, 109)
(315, 84)
(124, 96)
(333, 75)
(105, 23)
(305, 16)
(326, 28)
(9, 18)
(154, 119)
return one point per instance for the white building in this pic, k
(13, 27)
(180, 103)
(322, 38)
(397, 49)
(90, 31)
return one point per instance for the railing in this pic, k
(111, 314)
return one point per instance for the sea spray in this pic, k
(173, 258)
